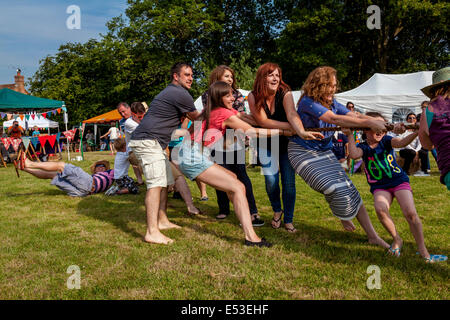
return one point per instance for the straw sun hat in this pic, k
(440, 77)
(96, 163)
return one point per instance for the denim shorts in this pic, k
(74, 181)
(191, 159)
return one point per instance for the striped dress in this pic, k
(315, 162)
(103, 180)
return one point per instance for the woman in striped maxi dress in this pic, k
(314, 161)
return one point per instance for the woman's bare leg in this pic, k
(223, 179)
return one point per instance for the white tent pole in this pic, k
(66, 119)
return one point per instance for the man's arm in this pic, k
(193, 115)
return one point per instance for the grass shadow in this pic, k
(348, 248)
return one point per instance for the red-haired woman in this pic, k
(315, 162)
(269, 101)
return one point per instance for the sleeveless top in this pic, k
(278, 115)
(439, 129)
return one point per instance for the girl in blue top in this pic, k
(315, 162)
(387, 180)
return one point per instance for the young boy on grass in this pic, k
(387, 180)
(123, 183)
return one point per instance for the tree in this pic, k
(413, 37)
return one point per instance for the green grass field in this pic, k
(43, 232)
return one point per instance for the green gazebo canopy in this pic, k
(10, 99)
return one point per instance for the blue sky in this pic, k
(32, 29)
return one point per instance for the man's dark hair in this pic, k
(123, 104)
(176, 68)
(137, 107)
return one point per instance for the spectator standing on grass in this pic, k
(435, 122)
(113, 134)
(414, 151)
(387, 181)
(340, 148)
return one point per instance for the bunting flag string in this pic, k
(15, 143)
(70, 134)
(52, 139)
(34, 141)
(6, 142)
(43, 140)
(46, 114)
(26, 142)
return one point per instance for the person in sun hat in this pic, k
(69, 178)
(435, 122)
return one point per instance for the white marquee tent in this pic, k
(393, 95)
(40, 123)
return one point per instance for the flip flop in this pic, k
(434, 258)
(276, 221)
(395, 252)
(291, 230)
(16, 166)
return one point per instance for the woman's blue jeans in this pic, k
(272, 166)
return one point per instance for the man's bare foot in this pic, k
(168, 225)
(157, 237)
(380, 242)
(348, 225)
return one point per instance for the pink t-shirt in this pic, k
(215, 129)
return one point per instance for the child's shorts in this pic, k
(392, 191)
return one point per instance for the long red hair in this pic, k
(260, 91)
(318, 83)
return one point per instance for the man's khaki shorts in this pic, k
(154, 162)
